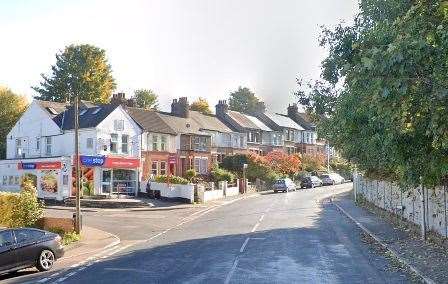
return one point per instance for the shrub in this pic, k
(19, 210)
(219, 174)
(190, 174)
(172, 179)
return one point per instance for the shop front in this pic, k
(50, 176)
(112, 175)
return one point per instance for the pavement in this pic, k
(427, 260)
(295, 237)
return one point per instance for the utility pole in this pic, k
(77, 167)
(328, 156)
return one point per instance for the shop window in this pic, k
(163, 168)
(118, 125)
(48, 146)
(11, 180)
(124, 144)
(163, 142)
(113, 143)
(89, 143)
(154, 168)
(155, 142)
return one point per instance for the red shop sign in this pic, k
(121, 163)
(40, 166)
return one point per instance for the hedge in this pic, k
(172, 179)
(19, 209)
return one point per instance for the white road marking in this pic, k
(43, 280)
(261, 218)
(232, 270)
(255, 227)
(244, 245)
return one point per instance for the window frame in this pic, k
(89, 143)
(156, 169)
(113, 143)
(125, 145)
(162, 170)
(48, 145)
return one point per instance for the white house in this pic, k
(41, 144)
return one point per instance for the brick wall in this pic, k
(46, 223)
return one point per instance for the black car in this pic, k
(25, 247)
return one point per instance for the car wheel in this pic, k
(46, 260)
(334, 182)
(275, 191)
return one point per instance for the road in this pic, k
(272, 238)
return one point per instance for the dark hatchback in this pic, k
(25, 247)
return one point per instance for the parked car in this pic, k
(331, 179)
(284, 184)
(26, 247)
(310, 182)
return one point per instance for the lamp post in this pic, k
(244, 177)
(77, 167)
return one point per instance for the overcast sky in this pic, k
(193, 48)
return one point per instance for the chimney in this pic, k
(293, 110)
(180, 107)
(221, 108)
(118, 99)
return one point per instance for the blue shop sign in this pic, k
(29, 166)
(92, 161)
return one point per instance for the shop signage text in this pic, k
(172, 160)
(121, 163)
(92, 161)
(40, 166)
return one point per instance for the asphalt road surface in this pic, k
(290, 237)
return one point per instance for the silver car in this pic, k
(284, 184)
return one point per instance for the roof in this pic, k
(89, 117)
(181, 124)
(247, 121)
(283, 121)
(53, 108)
(303, 120)
(209, 122)
(150, 120)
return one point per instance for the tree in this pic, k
(283, 163)
(385, 108)
(146, 99)
(12, 107)
(201, 105)
(244, 100)
(79, 70)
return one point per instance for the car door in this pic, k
(28, 247)
(8, 255)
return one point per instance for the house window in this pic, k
(163, 141)
(113, 143)
(197, 165)
(89, 143)
(155, 142)
(154, 168)
(11, 180)
(16, 180)
(37, 143)
(124, 143)
(48, 146)
(5, 180)
(119, 125)
(163, 168)
(200, 165)
(19, 149)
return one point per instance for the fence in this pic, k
(426, 207)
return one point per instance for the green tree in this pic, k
(201, 105)
(12, 107)
(244, 100)
(79, 70)
(382, 100)
(145, 98)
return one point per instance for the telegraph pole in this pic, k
(77, 167)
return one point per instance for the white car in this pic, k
(284, 184)
(331, 179)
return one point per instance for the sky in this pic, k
(192, 48)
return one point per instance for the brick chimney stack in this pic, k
(293, 110)
(221, 108)
(180, 107)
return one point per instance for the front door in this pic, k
(8, 255)
(106, 182)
